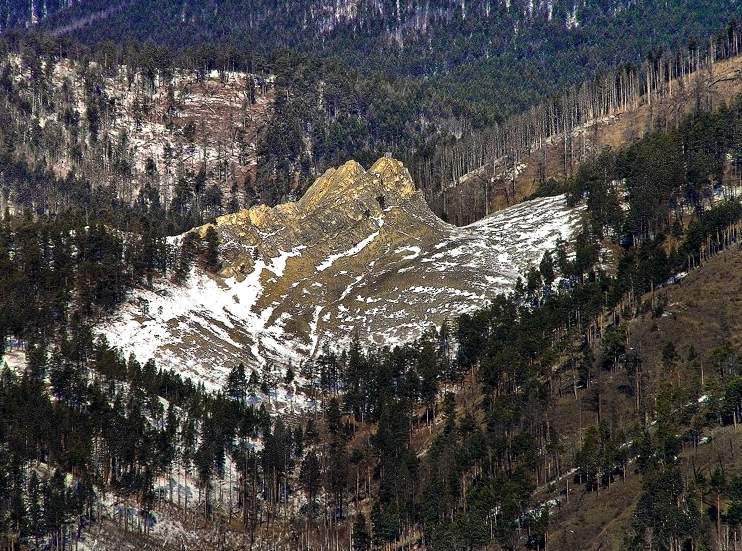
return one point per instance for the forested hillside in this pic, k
(284, 120)
(209, 129)
(135, 133)
(211, 339)
(462, 439)
(531, 152)
(549, 44)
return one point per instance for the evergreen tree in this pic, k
(546, 268)
(361, 537)
(186, 256)
(310, 476)
(210, 256)
(35, 511)
(236, 387)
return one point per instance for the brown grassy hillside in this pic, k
(504, 182)
(703, 311)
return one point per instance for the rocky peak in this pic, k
(351, 182)
(394, 176)
(360, 251)
(348, 193)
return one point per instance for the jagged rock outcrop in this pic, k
(360, 251)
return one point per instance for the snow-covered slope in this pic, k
(361, 251)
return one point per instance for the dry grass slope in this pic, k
(496, 185)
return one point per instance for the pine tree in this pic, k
(353, 375)
(55, 506)
(254, 381)
(546, 267)
(186, 256)
(168, 439)
(289, 377)
(361, 537)
(429, 372)
(236, 387)
(5, 489)
(309, 476)
(210, 255)
(204, 462)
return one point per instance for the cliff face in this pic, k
(360, 251)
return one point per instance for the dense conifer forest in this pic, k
(479, 51)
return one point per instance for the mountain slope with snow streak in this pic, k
(361, 251)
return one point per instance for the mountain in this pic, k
(360, 251)
(433, 83)
(200, 349)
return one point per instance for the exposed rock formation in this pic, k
(360, 251)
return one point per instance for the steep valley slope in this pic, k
(506, 180)
(360, 251)
(702, 313)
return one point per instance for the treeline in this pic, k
(328, 113)
(442, 139)
(322, 114)
(499, 58)
(678, 507)
(147, 56)
(79, 408)
(662, 177)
